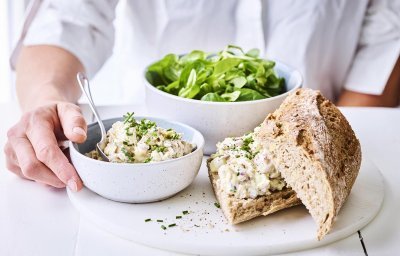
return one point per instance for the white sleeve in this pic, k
(82, 27)
(378, 48)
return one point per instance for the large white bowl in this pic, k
(137, 183)
(218, 120)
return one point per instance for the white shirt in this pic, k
(334, 44)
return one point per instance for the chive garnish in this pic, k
(160, 221)
(172, 225)
(128, 117)
(217, 205)
(246, 144)
(129, 155)
(163, 227)
(179, 217)
(185, 212)
(147, 220)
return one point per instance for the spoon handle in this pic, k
(84, 83)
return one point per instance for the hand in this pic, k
(33, 152)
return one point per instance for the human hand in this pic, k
(32, 149)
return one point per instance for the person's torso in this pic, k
(317, 37)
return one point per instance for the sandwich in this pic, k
(304, 152)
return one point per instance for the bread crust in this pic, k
(316, 151)
(239, 210)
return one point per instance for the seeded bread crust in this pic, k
(240, 210)
(316, 151)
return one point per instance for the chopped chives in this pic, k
(163, 227)
(128, 117)
(217, 205)
(179, 217)
(147, 220)
(172, 225)
(185, 212)
(160, 221)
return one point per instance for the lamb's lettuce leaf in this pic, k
(228, 76)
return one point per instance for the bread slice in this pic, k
(239, 210)
(316, 151)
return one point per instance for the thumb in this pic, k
(72, 122)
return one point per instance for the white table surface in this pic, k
(38, 220)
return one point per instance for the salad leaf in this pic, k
(164, 71)
(172, 88)
(193, 56)
(249, 94)
(225, 65)
(205, 88)
(253, 53)
(231, 96)
(228, 76)
(191, 79)
(212, 97)
(239, 82)
(189, 92)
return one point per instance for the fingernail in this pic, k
(72, 185)
(79, 131)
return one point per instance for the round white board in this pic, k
(205, 231)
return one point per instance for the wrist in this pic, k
(43, 95)
(46, 74)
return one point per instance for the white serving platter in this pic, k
(205, 231)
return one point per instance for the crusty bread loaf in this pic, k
(316, 151)
(239, 210)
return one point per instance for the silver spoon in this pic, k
(84, 83)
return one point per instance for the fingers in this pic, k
(11, 160)
(30, 167)
(46, 150)
(72, 122)
(33, 151)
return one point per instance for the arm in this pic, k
(58, 44)
(53, 76)
(46, 89)
(389, 98)
(374, 77)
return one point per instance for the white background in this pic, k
(5, 46)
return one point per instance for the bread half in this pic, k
(316, 151)
(239, 210)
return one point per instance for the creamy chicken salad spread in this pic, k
(133, 141)
(244, 169)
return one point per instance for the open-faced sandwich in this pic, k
(305, 152)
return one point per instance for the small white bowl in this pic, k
(141, 182)
(218, 120)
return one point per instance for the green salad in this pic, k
(228, 76)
